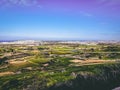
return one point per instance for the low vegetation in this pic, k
(59, 67)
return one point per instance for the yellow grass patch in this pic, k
(6, 73)
(90, 62)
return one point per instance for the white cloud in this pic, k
(19, 2)
(108, 2)
(13, 1)
(86, 14)
(39, 6)
(29, 2)
(104, 23)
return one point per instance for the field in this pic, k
(60, 67)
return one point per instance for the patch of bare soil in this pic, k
(90, 62)
(17, 62)
(6, 73)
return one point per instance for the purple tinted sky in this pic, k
(66, 19)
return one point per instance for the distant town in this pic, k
(40, 42)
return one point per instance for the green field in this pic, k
(59, 67)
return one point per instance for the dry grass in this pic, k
(6, 73)
(18, 62)
(90, 62)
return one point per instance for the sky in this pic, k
(60, 19)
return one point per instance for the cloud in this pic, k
(86, 14)
(4, 3)
(39, 6)
(104, 23)
(104, 1)
(28, 2)
(11, 3)
(108, 2)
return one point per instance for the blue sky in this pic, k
(54, 20)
